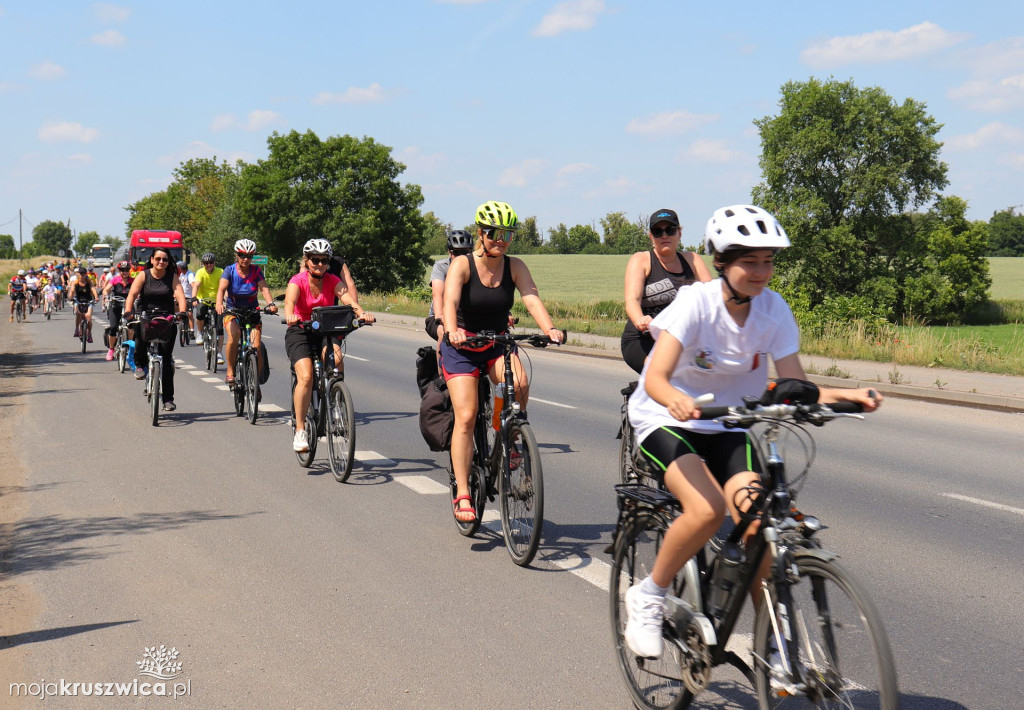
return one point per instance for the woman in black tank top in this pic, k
(653, 278)
(83, 293)
(157, 289)
(478, 295)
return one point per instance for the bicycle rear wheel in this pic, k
(209, 350)
(306, 457)
(252, 387)
(653, 683)
(521, 491)
(155, 378)
(341, 430)
(122, 355)
(19, 311)
(238, 391)
(843, 650)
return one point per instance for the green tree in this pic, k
(343, 189)
(51, 237)
(114, 242)
(154, 211)
(558, 240)
(527, 239)
(844, 169)
(7, 248)
(435, 235)
(33, 249)
(1006, 233)
(622, 236)
(85, 240)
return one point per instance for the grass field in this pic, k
(1007, 277)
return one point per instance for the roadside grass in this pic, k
(1007, 274)
(9, 267)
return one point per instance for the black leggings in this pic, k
(166, 348)
(114, 317)
(636, 349)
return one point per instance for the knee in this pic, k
(708, 513)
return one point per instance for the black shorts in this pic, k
(302, 343)
(725, 454)
(203, 312)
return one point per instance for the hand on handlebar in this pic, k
(456, 338)
(367, 317)
(556, 335)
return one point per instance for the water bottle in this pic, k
(726, 578)
(499, 402)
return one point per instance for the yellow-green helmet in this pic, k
(497, 214)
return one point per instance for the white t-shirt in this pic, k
(718, 355)
(32, 283)
(187, 279)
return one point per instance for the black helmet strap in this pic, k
(737, 298)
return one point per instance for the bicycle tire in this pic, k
(48, 313)
(626, 472)
(521, 494)
(252, 387)
(848, 632)
(653, 683)
(85, 334)
(341, 430)
(155, 378)
(477, 494)
(238, 391)
(122, 357)
(306, 457)
(19, 312)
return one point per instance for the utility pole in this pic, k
(20, 245)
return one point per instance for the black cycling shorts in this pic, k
(725, 454)
(302, 343)
(203, 312)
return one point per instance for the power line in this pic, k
(13, 219)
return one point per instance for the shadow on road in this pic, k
(56, 633)
(51, 541)
(364, 418)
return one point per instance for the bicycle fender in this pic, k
(816, 553)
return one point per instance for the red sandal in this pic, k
(463, 511)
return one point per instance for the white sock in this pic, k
(649, 587)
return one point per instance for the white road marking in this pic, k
(372, 458)
(224, 388)
(585, 567)
(270, 407)
(215, 380)
(989, 504)
(353, 357)
(265, 337)
(197, 373)
(423, 484)
(553, 404)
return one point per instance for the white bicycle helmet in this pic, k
(317, 246)
(245, 246)
(743, 227)
(21, 272)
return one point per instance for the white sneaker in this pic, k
(644, 615)
(300, 444)
(220, 359)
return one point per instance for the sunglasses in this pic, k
(461, 252)
(669, 231)
(498, 235)
(124, 271)
(160, 260)
(318, 262)
(240, 255)
(208, 263)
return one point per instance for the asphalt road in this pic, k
(279, 587)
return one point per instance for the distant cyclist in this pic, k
(187, 279)
(16, 290)
(239, 284)
(32, 284)
(308, 289)
(120, 285)
(207, 280)
(459, 243)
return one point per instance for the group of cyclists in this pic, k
(41, 288)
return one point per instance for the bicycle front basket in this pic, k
(333, 319)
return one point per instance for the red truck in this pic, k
(143, 241)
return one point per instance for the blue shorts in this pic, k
(459, 362)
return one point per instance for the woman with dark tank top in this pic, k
(478, 294)
(157, 289)
(653, 278)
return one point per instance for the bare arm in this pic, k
(657, 383)
(700, 270)
(268, 297)
(437, 299)
(458, 275)
(531, 299)
(637, 271)
(868, 398)
(350, 284)
(179, 294)
(133, 293)
(291, 295)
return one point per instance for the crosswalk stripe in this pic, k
(268, 407)
(422, 484)
(215, 380)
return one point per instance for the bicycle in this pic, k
(506, 461)
(246, 389)
(338, 420)
(633, 465)
(120, 348)
(209, 335)
(186, 334)
(818, 639)
(157, 322)
(19, 305)
(85, 328)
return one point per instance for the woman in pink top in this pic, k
(307, 290)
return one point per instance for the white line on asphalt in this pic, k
(270, 407)
(553, 404)
(197, 373)
(372, 458)
(989, 504)
(224, 388)
(353, 357)
(422, 484)
(585, 567)
(215, 380)
(266, 337)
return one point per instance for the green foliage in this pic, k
(580, 239)
(1006, 233)
(85, 240)
(343, 189)
(7, 248)
(622, 236)
(154, 211)
(33, 249)
(279, 271)
(50, 237)
(527, 239)
(435, 234)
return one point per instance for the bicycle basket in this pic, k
(158, 328)
(333, 319)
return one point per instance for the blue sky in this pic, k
(566, 110)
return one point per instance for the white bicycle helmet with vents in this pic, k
(317, 246)
(743, 227)
(245, 246)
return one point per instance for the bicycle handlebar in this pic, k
(538, 340)
(357, 323)
(242, 312)
(747, 415)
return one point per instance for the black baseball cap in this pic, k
(669, 216)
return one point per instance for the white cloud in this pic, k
(419, 162)
(108, 12)
(569, 16)
(521, 174)
(991, 95)
(81, 158)
(108, 38)
(994, 134)
(1000, 58)
(669, 123)
(372, 94)
(575, 169)
(615, 187)
(707, 150)
(66, 131)
(47, 71)
(881, 46)
(202, 149)
(1015, 161)
(257, 120)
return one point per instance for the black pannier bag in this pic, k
(426, 367)
(437, 418)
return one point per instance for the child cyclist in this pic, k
(714, 338)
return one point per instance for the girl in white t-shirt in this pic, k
(716, 337)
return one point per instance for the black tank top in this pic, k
(482, 308)
(660, 289)
(157, 294)
(82, 292)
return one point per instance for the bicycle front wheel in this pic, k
(238, 391)
(653, 683)
(85, 333)
(122, 356)
(155, 378)
(521, 490)
(341, 430)
(252, 387)
(843, 652)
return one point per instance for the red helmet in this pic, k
(123, 266)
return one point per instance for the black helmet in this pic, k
(460, 240)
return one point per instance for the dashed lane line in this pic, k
(353, 357)
(197, 373)
(268, 407)
(372, 458)
(553, 404)
(223, 388)
(422, 484)
(986, 503)
(214, 380)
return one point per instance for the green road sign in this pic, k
(260, 260)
